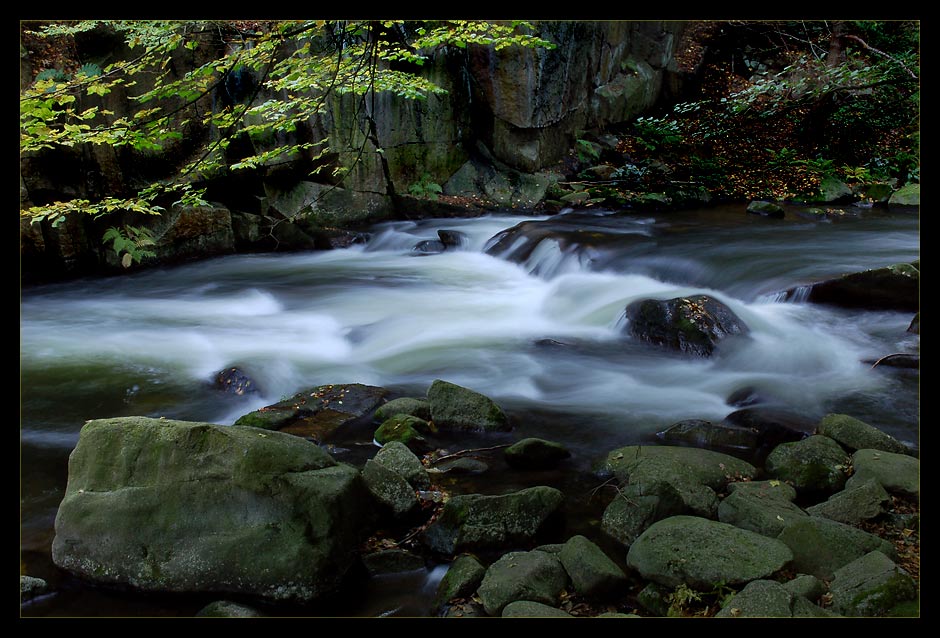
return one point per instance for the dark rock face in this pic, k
(693, 325)
(453, 238)
(429, 247)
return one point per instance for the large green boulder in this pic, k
(821, 546)
(897, 473)
(833, 190)
(535, 576)
(870, 586)
(908, 195)
(592, 572)
(162, 505)
(459, 408)
(475, 521)
(390, 489)
(700, 553)
(695, 474)
(815, 465)
(854, 434)
(692, 325)
(759, 599)
(462, 579)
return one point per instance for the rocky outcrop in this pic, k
(163, 505)
(692, 325)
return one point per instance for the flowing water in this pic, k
(533, 320)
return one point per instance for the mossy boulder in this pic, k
(908, 195)
(404, 405)
(821, 546)
(695, 474)
(871, 586)
(535, 454)
(854, 434)
(897, 473)
(759, 599)
(833, 190)
(456, 407)
(404, 429)
(462, 579)
(765, 209)
(390, 489)
(692, 325)
(592, 572)
(699, 553)
(533, 576)
(853, 505)
(637, 506)
(163, 505)
(475, 521)
(397, 457)
(816, 465)
(532, 609)
(765, 508)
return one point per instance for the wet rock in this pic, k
(164, 505)
(815, 466)
(404, 405)
(720, 437)
(535, 454)
(228, 609)
(758, 599)
(318, 412)
(461, 465)
(897, 473)
(453, 238)
(533, 576)
(899, 360)
(853, 505)
(699, 553)
(821, 546)
(389, 489)
(456, 407)
(894, 287)
(392, 561)
(765, 209)
(771, 427)
(235, 381)
(871, 586)
(744, 397)
(462, 579)
(693, 325)
(765, 508)
(429, 247)
(397, 457)
(532, 609)
(637, 506)
(854, 434)
(591, 571)
(475, 521)
(30, 587)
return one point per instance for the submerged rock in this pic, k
(235, 381)
(693, 325)
(429, 247)
(175, 506)
(535, 454)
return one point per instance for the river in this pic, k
(538, 327)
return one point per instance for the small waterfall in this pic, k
(797, 295)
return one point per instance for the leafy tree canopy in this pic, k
(255, 79)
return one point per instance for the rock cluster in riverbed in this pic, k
(161, 505)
